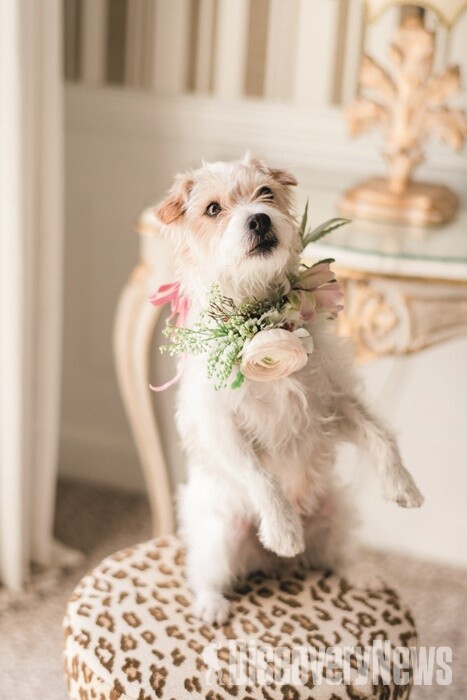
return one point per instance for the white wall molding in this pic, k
(305, 139)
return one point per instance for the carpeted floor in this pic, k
(99, 521)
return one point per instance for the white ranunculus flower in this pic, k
(307, 340)
(275, 353)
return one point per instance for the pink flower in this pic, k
(328, 297)
(316, 290)
(304, 302)
(313, 277)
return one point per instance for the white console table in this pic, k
(405, 289)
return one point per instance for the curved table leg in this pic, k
(134, 328)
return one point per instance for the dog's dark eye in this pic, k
(213, 209)
(265, 192)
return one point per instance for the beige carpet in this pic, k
(99, 521)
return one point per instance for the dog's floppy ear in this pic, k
(173, 206)
(283, 177)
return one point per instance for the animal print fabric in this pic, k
(130, 633)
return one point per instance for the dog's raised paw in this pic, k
(410, 498)
(285, 537)
(212, 608)
(403, 491)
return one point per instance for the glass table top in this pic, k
(387, 248)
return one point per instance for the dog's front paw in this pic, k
(213, 608)
(403, 490)
(283, 536)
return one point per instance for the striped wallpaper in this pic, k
(303, 50)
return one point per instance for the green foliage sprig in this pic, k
(308, 235)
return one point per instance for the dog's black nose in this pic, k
(259, 223)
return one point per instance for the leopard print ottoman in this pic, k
(130, 634)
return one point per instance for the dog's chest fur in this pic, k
(272, 415)
(288, 436)
(278, 416)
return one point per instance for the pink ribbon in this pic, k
(179, 306)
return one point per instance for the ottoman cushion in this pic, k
(130, 633)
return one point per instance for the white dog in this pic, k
(260, 458)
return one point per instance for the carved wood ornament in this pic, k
(384, 316)
(408, 105)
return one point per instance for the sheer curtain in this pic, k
(31, 228)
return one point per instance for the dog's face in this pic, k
(234, 224)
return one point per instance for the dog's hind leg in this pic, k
(329, 532)
(331, 545)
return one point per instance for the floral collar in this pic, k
(260, 340)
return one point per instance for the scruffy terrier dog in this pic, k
(261, 489)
